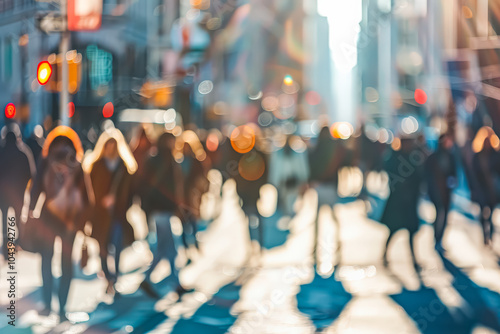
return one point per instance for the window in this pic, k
(7, 56)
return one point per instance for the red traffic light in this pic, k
(420, 96)
(71, 109)
(10, 110)
(43, 73)
(108, 110)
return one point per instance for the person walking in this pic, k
(17, 167)
(163, 184)
(441, 177)
(111, 166)
(66, 193)
(405, 168)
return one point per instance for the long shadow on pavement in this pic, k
(214, 316)
(322, 301)
(432, 316)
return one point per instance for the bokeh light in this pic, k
(251, 166)
(342, 130)
(243, 139)
(313, 98)
(212, 142)
(420, 96)
(108, 110)
(10, 110)
(71, 109)
(44, 72)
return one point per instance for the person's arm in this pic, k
(37, 185)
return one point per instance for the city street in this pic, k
(278, 291)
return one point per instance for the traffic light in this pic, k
(54, 82)
(420, 96)
(158, 94)
(108, 110)
(44, 72)
(10, 110)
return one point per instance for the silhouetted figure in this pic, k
(111, 175)
(405, 169)
(195, 182)
(66, 207)
(325, 161)
(252, 174)
(441, 176)
(289, 172)
(35, 142)
(17, 167)
(484, 193)
(141, 148)
(164, 188)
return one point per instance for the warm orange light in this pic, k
(243, 139)
(43, 72)
(251, 166)
(341, 130)
(10, 110)
(212, 142)
(288, 80)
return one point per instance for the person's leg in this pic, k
(103, 254)
(384, 258)
(118, 245)
(170, 251)
(439, 224)
(4, 231)
(412, 249)
(67, 271)
(162, 224)
(46, 252)
(486, 224)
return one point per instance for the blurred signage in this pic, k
(51, 22)
(84, 15)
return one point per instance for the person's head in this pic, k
(11, 133)
(187, 150)
(110, 150)
(487, 145)
(166, 143)
(407, 144)
(62, 151)
(445, 142)
(10, 138)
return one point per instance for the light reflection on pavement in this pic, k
(237, 290)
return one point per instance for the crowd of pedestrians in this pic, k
(65, 190)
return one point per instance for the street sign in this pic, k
(84, 15)
(50, 22)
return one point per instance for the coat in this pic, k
(119, 184)
(405, 179)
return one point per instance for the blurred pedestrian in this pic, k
(249, 167)
(141, 147)
(111, 166)
(66, 194)
(164, 192)
(289, 173)
(194, 168)
(35, 142)
(405, 168)
(484, 192)
(325, 161)
(17, 167)
(441, 177)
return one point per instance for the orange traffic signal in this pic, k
(43, 72)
